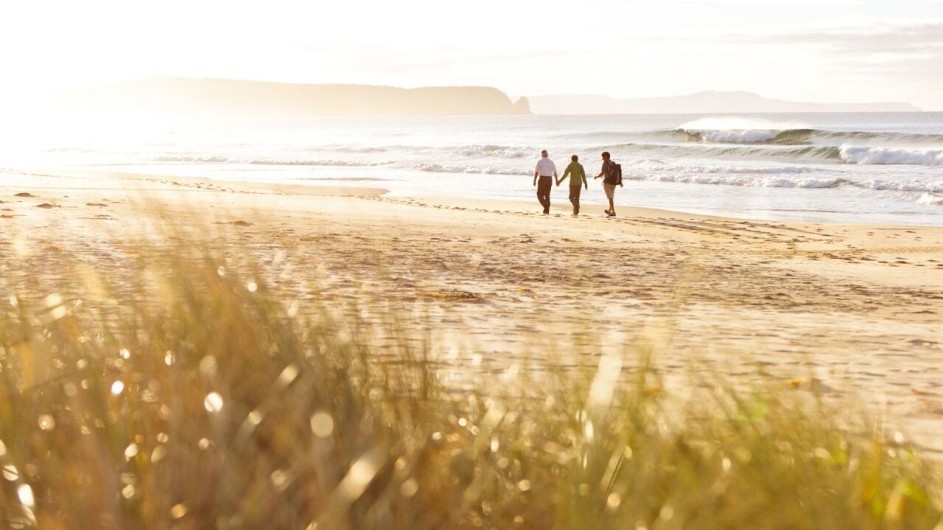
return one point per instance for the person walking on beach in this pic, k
(578, 180)
(545, 171)
(609, 171)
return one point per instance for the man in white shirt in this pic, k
(547, 172)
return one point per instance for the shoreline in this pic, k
(146, 182)
(846, 311)
(634, 198)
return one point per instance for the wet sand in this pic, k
(847, 312)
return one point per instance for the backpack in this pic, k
(615, 173)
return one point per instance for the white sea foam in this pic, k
(778, 177)
(489, 170)
(730, 169)
(891, 156)
(930, 199)
(908, 186)
(265, 161)
(192, 159)
(497, 151)
(731, 178)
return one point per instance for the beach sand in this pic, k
(847, 312)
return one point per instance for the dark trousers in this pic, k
(575, 197)
(543, 192)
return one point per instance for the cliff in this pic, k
(257, 98)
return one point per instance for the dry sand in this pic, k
(845, 311)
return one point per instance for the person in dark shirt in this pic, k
(609, 182)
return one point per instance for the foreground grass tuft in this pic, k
(186, 392)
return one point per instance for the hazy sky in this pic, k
(808, 50)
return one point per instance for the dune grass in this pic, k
(183, 390)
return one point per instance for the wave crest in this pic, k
(749, 136)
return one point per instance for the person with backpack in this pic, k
(612, 174)
(575, 169)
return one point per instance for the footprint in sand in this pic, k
(25, 194)
(46, 205)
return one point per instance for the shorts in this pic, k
(610, 190)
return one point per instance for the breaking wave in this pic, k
(841, 154)
(799, 136)
(930, 199)
(777, 177)
(891, 156)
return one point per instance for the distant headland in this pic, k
(259, 98)
(706, 102)
(241, 98)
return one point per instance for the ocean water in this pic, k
(844, 168)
